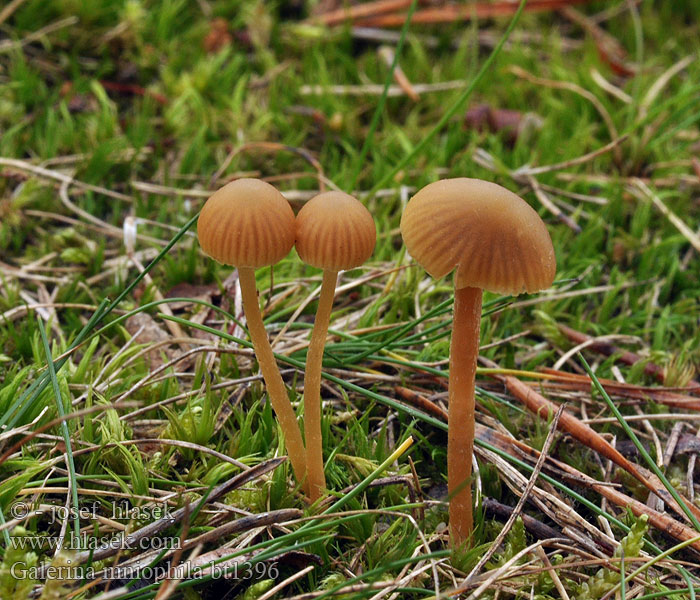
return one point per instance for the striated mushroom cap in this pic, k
(246, 223)
(335, 232)
(492, 237)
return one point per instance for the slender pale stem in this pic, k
(276, 389)
(464, 350)
(316, 478)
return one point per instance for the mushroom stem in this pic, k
(273, 380)
(316, 478)
(464, 350)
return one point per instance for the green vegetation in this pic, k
(123, 114)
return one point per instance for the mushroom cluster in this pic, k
(249, 224)
(491, 238)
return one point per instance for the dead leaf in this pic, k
(150, 334)
(218, 36)
(511, 123)
(196, 292)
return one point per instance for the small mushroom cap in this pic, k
(246, 223)
(492, 237)
(335, 232)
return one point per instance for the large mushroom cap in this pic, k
(246, 223)
(335, 231)
(492, 237)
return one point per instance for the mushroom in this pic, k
(249, 224)
(494, 241)
(334, 232)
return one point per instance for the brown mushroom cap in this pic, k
(494, 239)
(246, 223)
(335, 231)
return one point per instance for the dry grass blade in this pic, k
(521, 501)
(573, 162)
(56, 176)
(642, 191)
(550, 206)
(6, 12)
(661, 83)
(605, 85)
(576, 89)
(10, 45)
(284, 583)
(502, 571)
(152, 529)
(552, 572)
(585, 434)
(387, 55)
(660, 520)
(376, 89)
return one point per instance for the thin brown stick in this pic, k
(387, 55)
(462, 12)
(607, 349)
(360, 11)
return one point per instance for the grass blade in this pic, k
(382, 99)
(458, 104)
(64, 431)
(638, 444)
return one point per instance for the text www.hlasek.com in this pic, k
(85, 542)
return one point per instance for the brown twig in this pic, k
(135, 90)
(607, 349)
(609, 48)
(661, 521)
(543, 408)
(537, 528)
(360, 11)
(387, 55)
(452, 13)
